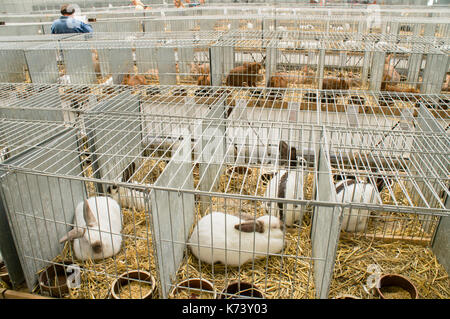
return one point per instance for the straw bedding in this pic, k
(136, 254)
(418, 263)
(285, 276)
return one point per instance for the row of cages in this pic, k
(233, 9)
(421, 26)
(241, 59)
(143, 192)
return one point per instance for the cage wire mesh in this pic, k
(170, 160)
(330, 23)
(254, 59)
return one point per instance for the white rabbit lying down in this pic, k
(224, 238)
(98, 223)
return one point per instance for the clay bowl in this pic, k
(241, 289)
(394, 281)
(194, 286)
(120, 290)
(53, 279)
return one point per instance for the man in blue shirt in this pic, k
(67, 24)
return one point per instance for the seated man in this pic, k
(67, 24)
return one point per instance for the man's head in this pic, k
(67, 9)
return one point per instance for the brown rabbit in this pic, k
(335, 84)
(204, 80)
(278, 80)
(199, 70)
(307, 78)
(134, 80)
(247, 73)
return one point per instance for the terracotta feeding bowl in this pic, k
(194, 288)
(392, 286)
(241, 289)
(135, 284)
(53, 279)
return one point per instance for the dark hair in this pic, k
(67, 9)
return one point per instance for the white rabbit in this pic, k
(126, 196)
(96, 234)
(287, 184)
(224, 238)
(352, 191)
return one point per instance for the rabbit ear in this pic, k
(293, 157)
(250, 226)
(72, 234)
(266, 177)
(129, 171)
(283, 149)
(88, 215)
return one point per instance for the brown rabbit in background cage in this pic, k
(204, 80)
(134, 80)
(247, 73)
(338, 83)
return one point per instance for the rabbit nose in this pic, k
(97, 247)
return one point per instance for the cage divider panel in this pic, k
(7, 247)
(167, 71)
(42, 65)
(431, 166)
(352, 115)
(342, 59)
(118, 61)
(43, 106)
(146, 59)
(320, 68)
(429, 30)
(416, 27)
(414, 66)
(79, 66)
(393, 28)
(185, 58)
(271, 62)
(114, 140)
(326, 223)
(237, 138)
(213, 152)
(217, 64)
(435, 69)
(173, 214)
(12, 64)
(366, 65)
(41, 207)
(441, 241)
(376, 70)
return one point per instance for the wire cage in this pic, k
(322, 61)
(171, 160)
(254, 59)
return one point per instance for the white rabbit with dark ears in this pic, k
(220, 237)
(96, 234)
(287, 184)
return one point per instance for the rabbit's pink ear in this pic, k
(88, 215)
(250, 226)
(72, 234)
